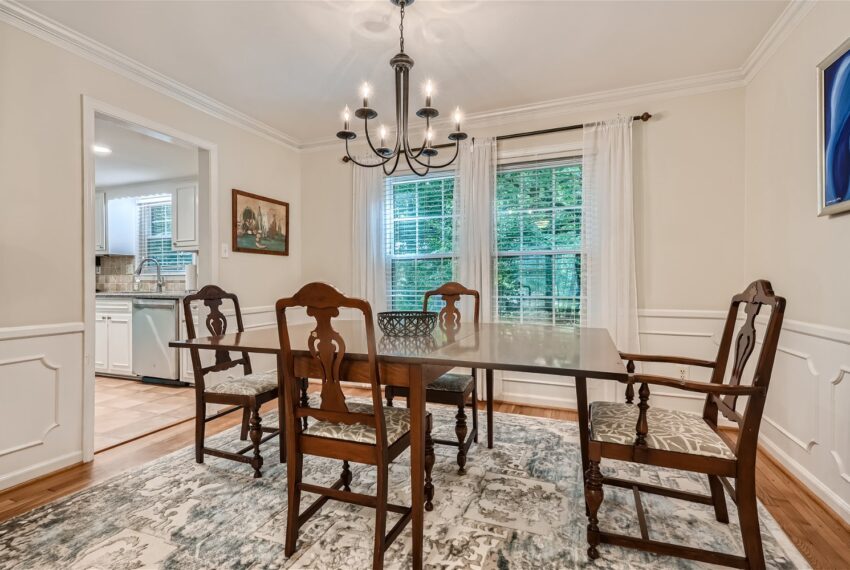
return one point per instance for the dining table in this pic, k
(562, 352)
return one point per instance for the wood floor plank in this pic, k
(819, 534)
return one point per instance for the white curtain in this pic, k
(609, 230)
(368, 243)
(473, 231)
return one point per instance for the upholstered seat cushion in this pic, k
(452, 383)
(669, 430)
(250, 385)
(396, 419)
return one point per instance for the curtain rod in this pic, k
(643, 117)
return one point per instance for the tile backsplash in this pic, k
(117, 273)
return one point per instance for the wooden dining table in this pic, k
(564, 352)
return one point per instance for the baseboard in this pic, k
(49, 467)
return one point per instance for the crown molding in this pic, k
(791, 16)
(32, 22)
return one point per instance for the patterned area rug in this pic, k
(519, 506)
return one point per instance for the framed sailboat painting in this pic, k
(834, 132)
(260, 224)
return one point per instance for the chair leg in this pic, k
(246, 416)
(429, 466)
(305, 399)
(719, 499)
(380, 517)
(256, 436)
(389, 393)
(460, 432)
(745, 491)
(200, 427)
(293, 478)
(593, 496)
(346, 476)
(475, 409)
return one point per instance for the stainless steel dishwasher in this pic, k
(155, 324)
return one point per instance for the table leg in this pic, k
(581, 402)
(416, 400)
(489, 393)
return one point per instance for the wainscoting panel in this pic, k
(41, 388)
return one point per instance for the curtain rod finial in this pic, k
(645, 117)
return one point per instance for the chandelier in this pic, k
(418, 159)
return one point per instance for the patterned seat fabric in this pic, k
(250, 385)
(452, 383)
(396, 419)
(669, 430)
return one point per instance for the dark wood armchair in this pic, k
(350, 431)
(459, 390)
(248, 392)
(692, 442)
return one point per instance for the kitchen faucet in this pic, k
(158, 272)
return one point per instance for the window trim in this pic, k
(149, 272)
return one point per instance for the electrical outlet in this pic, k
(683, 372)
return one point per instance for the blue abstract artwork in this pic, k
(836, 130)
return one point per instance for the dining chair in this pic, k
(692, 442)
(459, 390)
(357, 432)
(246, 392)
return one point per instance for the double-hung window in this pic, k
(539, 255)
(154, 236)
(419, 219)
(539, 259)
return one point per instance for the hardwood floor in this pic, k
(128, 409)
(820, 535)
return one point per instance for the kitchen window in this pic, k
(154, 237)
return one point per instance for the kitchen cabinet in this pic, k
(184, 218)
(113, 337)
(100, 227)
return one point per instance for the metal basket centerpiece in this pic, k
(407, 323)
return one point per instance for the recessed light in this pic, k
(101, 150)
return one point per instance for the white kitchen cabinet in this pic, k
(184, 218)
(101, 343)
(113, 337)
(101, 246)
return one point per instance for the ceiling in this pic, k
(294, 64)
(139, 155)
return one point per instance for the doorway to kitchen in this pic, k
(148, 223)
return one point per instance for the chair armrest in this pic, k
(691, 386)
(668, 359)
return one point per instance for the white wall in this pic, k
(807, 419)
(41, 358)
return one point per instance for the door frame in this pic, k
(92, 107)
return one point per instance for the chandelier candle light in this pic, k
(418, 159)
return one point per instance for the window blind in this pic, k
(154, 236)
(539, 251)
(419, 237)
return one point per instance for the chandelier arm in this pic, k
(457, 148)
(369, 140)
(354, 160)
(413, 168)
(395, 165)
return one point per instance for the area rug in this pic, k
(520, 505)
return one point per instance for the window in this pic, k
(154, 218)
(539, 256)
(419, 216)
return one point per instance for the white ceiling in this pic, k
(139, 157)
(295, 64)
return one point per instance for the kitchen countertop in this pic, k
(142, 294)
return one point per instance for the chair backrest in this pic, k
(328, 350)
(451, 292)
(757, 295)
(212, 297)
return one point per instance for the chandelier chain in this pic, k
(401, 28)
